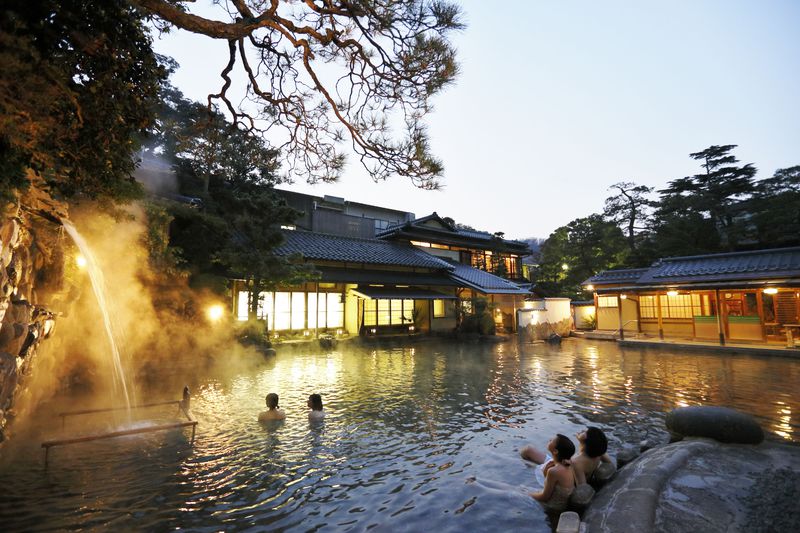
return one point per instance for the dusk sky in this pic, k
(556, 101)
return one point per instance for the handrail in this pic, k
(87, 438)
(65, 414)
(618, 330)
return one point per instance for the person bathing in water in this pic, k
(315, 404)
(559, 474)
(273, 412)
(592, 447)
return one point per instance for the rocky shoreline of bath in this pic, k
(714, 479)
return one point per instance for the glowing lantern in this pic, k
(215, 312)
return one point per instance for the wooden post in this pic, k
(619, 312)
(720, 328)
(660, 317)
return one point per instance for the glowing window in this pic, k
(607, 301)
(335, 309)
(298, 310)
(422, 244)
(678, 306)
(283, 311)
(241, 306)
(311, 307)
(439, 310)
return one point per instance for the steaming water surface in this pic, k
(415, 439)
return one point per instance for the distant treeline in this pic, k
(723, 208)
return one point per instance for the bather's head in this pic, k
(315, 402)
(561, 448)
(593, 442)
(272, 400)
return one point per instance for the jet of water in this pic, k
(113, 331)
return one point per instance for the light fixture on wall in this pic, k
(590, 287)
(623, 296)
(770, 290)
(672, 293)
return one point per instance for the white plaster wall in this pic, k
(583, 313)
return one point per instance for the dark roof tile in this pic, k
(326, 247)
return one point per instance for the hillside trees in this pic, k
(319, 72)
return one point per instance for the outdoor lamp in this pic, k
(770, 290)
(672, 293)
(215, 312)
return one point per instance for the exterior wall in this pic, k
(746, 328)
(422, 308)
(583, 314)
(677, 329)
(706, 327)
(630, 314)
(449, 254)
(607, 318)
(542, 321)
(351, 311)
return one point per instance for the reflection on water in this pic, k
(421, 438)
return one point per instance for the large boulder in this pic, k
(719, 423)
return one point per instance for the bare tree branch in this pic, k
(324, 68)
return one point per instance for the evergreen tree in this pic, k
(709, 209)
(629, 208)
(577, 251)
(776, 208)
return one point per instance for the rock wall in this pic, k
(31, 264)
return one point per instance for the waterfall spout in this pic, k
(112, 328)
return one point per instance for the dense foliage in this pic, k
(234, 228)
(722, 208)
(78, 87)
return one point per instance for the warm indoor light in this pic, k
(215, 312)
(80, 261)
(672, 293)
(623, 296)
(771, 290)
(338, 332)
(590, 287)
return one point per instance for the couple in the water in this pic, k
(563, 470)
(274, 412)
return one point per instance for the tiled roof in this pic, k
(418, 224)
(483, 281)
(616, 276)
(326, 247)
(774, 264)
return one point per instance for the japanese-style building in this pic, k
(388, 283)
(739, 297)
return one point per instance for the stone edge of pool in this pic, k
(737, 349)
(702, 485)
